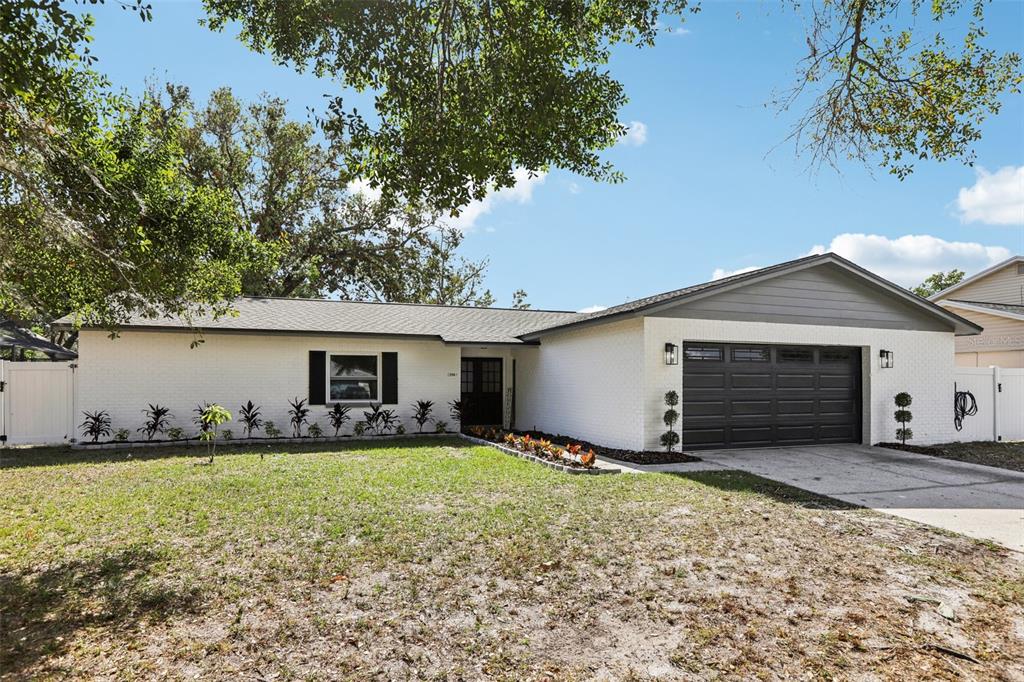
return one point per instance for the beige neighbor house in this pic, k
(809, 351)
(993, 299)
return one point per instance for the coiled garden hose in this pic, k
(964, 405)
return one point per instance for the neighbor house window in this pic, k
(353, 377)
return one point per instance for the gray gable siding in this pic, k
(822, 295)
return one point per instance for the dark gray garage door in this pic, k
(748, 395)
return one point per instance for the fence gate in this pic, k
(36, 402)
(999, 394)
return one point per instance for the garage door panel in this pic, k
(791, 381)
(841, 433)
(697, 408)
(799, 395)
(751, 408)
(751, 381)
(837, 381)
(796, 432)
(705, 380)
(795, 407)
(835, 407)
(751, 435)
(704, 437)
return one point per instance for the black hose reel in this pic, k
(964, 405)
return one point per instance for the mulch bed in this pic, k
(919, 449)
(632, 456)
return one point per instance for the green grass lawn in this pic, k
(432, 559)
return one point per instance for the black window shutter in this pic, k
(317, 377)
(389, 378)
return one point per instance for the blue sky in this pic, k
(711, 185)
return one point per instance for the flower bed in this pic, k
(568, 459)
(631, 456)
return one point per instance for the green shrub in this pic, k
(671, 416)
(903, 416)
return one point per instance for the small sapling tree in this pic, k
(211, 417)
(671, 416)
(903, 416)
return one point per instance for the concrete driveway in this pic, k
(978, 501)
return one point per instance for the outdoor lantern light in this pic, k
(671, 354)
(885, 359)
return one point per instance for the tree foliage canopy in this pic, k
(288, 187)
(937, 282)
(96, 214)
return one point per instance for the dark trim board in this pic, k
(764, 395)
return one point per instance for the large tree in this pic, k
(289, 188)
(467, 91)
(96, 214)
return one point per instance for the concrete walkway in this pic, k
(974, 500)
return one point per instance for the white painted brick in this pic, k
(124, 374)
(585, 383)
(923, 367)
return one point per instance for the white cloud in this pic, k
(360, 186)
(672, 30)
(635, 135)
(592, 309)
(719, 273)
(520, 193)
(995, 198)
(909, 259)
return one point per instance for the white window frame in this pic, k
(351, 401)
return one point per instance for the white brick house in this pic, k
(809, 351)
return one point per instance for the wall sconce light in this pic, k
(885, 359)
(671, 354)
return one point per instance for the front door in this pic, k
(481, 391)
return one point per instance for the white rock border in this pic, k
(593, 471)
(194, 442)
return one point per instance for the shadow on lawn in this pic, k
(17, 458)
(43, 610)
(740, 481)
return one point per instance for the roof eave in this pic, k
(975, 277)
(984, 310)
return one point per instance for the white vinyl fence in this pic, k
(37, 402)
(999, 394)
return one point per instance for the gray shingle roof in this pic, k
(455, 324)
(1001, 307)
(452, 324)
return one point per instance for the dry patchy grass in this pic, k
(434, 560)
